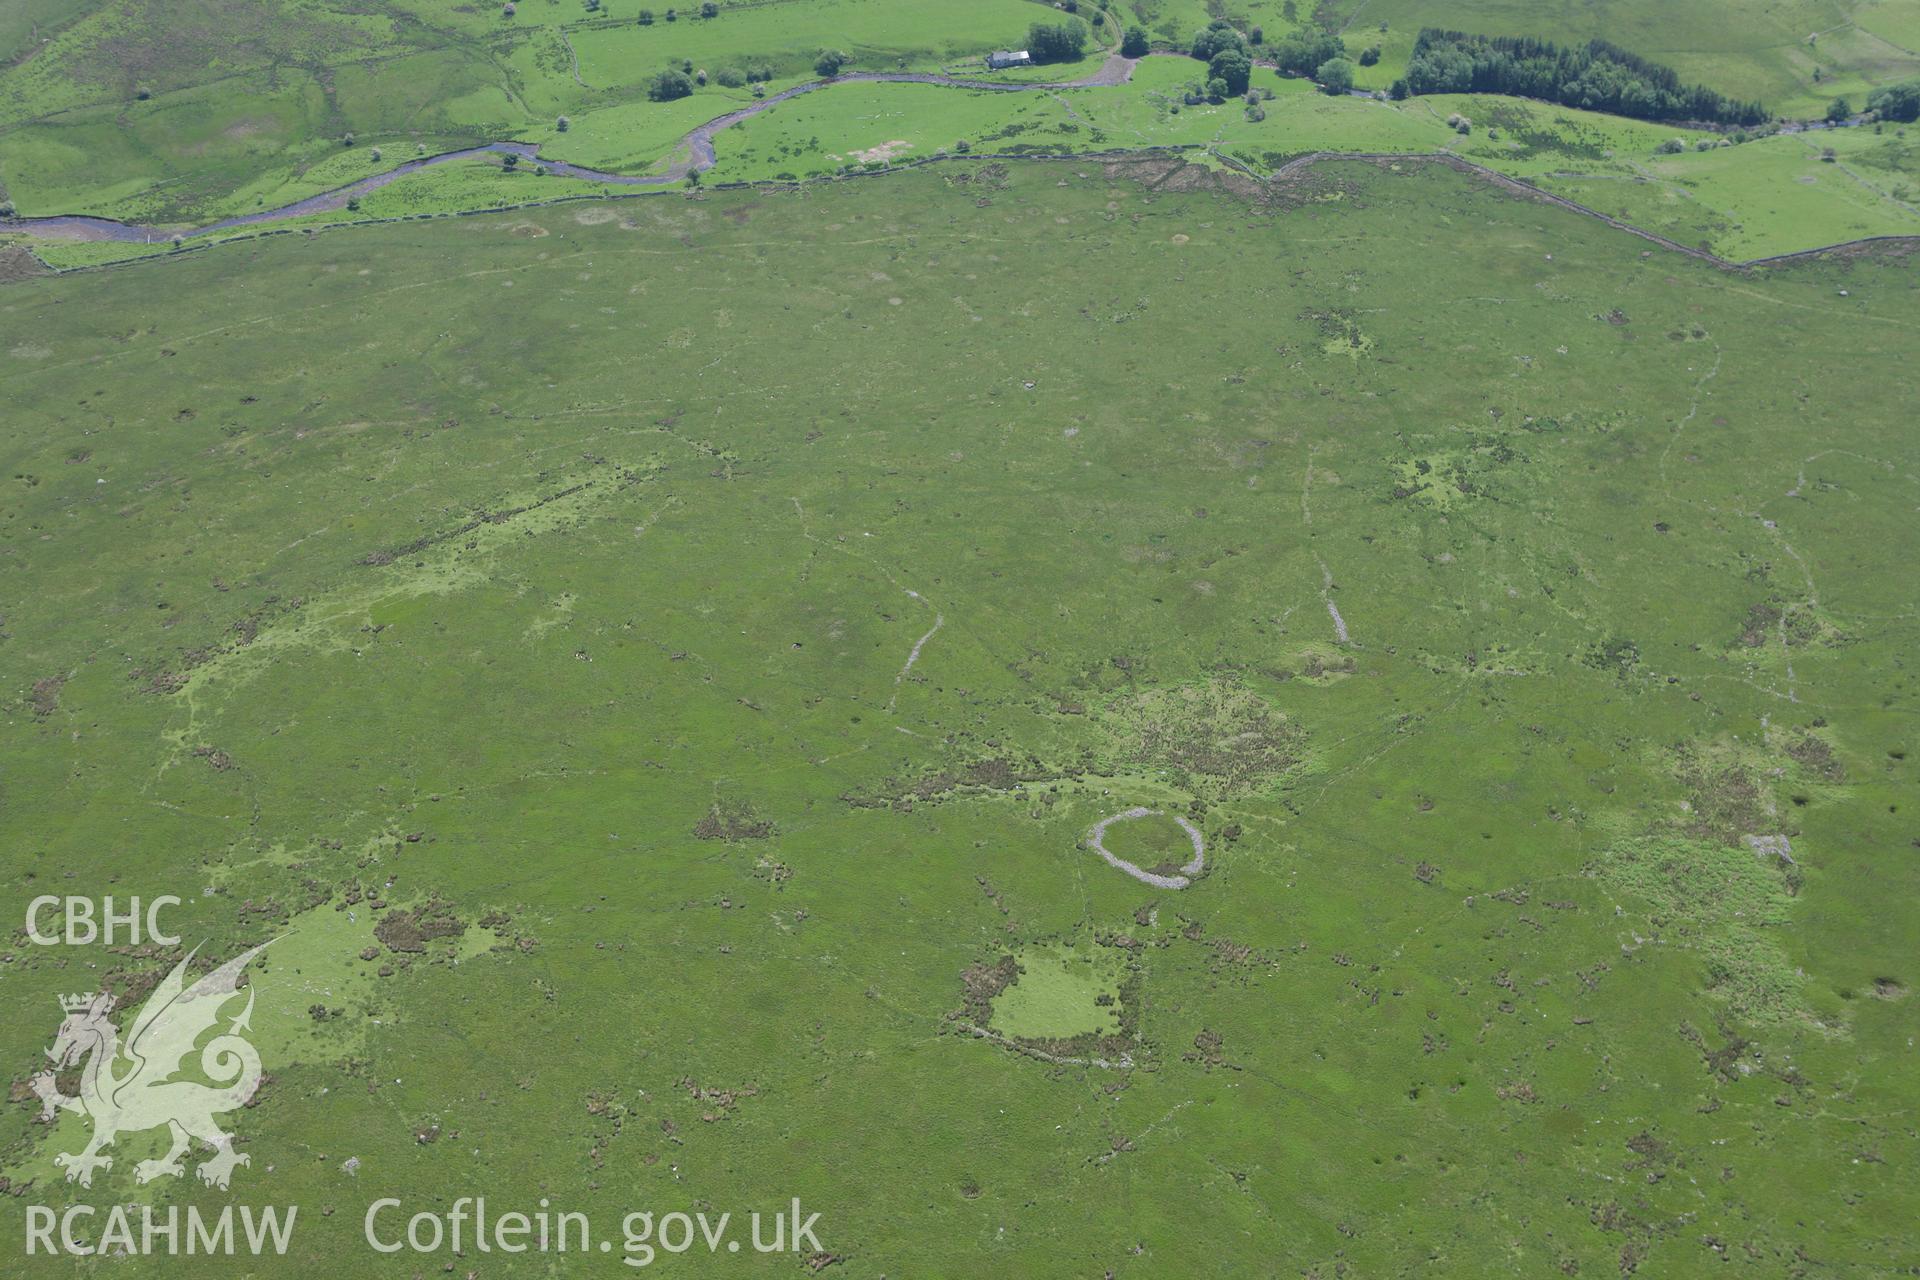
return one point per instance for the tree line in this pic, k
(1057, 41)
(1899, 102)
(1596, 76)
(1230, 55)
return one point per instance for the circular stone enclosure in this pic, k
(1097, 841)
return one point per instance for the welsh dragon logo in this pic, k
(129, 1088)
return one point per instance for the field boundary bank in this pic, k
(1521, 187)
(1294, 167)
(693, 154)
(242, 236)
(1291, 169)
(1505, 182)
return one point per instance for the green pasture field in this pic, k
(882, 35)
(1174, 22)
(654, 664)
(818, 133)
(1766, 197)
(639, 137)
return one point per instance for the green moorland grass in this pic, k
(701, 631)
(122, 48)
(1756, 49)
(26, 24)
(256, 140)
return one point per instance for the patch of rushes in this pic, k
(1215, 738)
(1723, 902)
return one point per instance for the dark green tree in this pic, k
(1215, 36)
(1135, 43)
(1233, 67)
(1335, 75)
(1898, 102)
(1596, 76)
(830, 61)
(670, 84)
(1057, 41)
(1839, 109)
(1301, 53)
